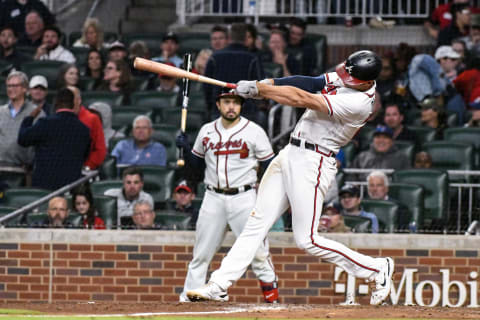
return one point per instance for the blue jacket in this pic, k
(62, 144)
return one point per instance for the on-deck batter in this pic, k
(302, 172)
(231, 147)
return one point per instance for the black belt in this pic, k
(230, 191)
(311, 146)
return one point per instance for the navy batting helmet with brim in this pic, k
(360, 67)
(229, 93)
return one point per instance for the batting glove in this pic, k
(247, 89)
(182, 142)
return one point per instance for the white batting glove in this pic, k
(248, 89)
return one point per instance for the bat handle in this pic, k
(231, 85)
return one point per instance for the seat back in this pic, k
(99, 187)
(158, 182)
(153, 99)
(466, 135)
(172, 220)
(124, 116)
(272, 70)
(108, 168)
(358, 224)
(173, 116)
(319, 41)
(386, 212)
(365, 137)
(412, 197)
(435, 185)
(422, 135)
(13, 179)
(81, 55)
(350, 151)
(110, 98)
(193, 42)
(107, 209)
(48, 68)
(18, 197)
(406, 148)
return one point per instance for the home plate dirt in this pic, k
(215, 309)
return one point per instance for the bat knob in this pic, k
(180, 162)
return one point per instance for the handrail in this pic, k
(92, 9)
(12, 169)
(36, 203)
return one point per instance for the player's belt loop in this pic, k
(311, 146)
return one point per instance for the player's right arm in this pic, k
(310, 84)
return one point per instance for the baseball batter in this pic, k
(302, 172)
(231, 148)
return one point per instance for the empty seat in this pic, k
(173, 116)
(86, 83)
(407, 148)
(465, 135)
(386, 212)
(158, 182)
(193, 42)
(154, 99)
(99, 187)
(435, 185)
(272, 70)
(81, 55)
(365, 137)
(47, 68)
(110, 98)
(107, 209)
(3, 99)
(108, 168)
(19, 197)
(422, 135)
(172, 220)
(411, 196)
(358, 224)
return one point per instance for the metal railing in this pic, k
(320, 9)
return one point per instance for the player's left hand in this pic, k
(248, 89)
(182, 142)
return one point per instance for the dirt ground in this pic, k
(250, 310)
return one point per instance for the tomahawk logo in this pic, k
(413, 293)
(349, 69)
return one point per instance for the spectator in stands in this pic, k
(38, 94)
(51, 49)
(218, 37)
(98, 149)
(448, 60)
(34, 27)
(61, 141)
(473, 39)
(183, 195)
(57, 212)
(139, 49)
(332, 221)
(393, 118)
(117, 78)
(350, 202)
(117, 51)
(131, 193)
(14, 12)
(201, 61)
(433, 115)
(251, 41)
(11, 116)
(277, 53)
(106, 116)
(440, 18)
(8, 50)
(402, 57)
(382, 154)
(247, 66)
(460, 47)
(167, 83)
(377, 185)
(423, 160)
(169, 49)
(143, 216)
(141, 149)
(459, 27)
(301, 49)
(468, 85)
(68, 75)
(94, 67)
(386, 78)
(92, 35)
(82, 202)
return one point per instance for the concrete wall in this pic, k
(151, 266)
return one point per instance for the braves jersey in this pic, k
(232, 155)
(348, 110)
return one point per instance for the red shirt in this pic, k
(98, 149)
(98, 224)
(467, 84)
(442, 16)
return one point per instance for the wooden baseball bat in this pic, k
(161, 68)
(187, 62)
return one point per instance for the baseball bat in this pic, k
(187, 63)
(161, 68)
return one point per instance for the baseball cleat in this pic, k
(383, 282)
(183, 298)
(209, 292)
(270, 291)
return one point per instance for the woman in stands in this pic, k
(68, 75)
(82, 202)
(92, 35)
(117, 78)
(94, 67)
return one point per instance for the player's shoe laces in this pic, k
(383, 282)
(209, 292)
(270, 291)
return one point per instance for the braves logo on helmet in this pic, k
(349, 69)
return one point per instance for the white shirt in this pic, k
(59, 54)
(348, 112)
(232, 155)
(124, 206)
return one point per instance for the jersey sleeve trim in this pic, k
(266, 157)
(198, 154)
(330, 109)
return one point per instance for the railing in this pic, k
(320, 9)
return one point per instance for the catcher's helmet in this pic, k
(360, 66)
(229, 93)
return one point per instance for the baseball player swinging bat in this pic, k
(157, 67)
(187, 62)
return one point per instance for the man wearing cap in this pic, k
(183, 196)
(382, 154)
(350, 201)
(332, 220)
(169, 50)
(38, 94)
(448, 60)
(117, 51)
(8, 50)
(51, 49)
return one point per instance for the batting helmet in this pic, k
(360, 66)
(229, 93)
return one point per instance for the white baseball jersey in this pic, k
(348, 111)
(232, 155)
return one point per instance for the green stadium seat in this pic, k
(193, 42)
(19, 197)
(111, 98)
(358, 224)
(340, 178)
(272, 70)
(410, 196)
(107, 209)
(36, 218)
(3, 98)
(158, 182)
(108, 169)
(194, 120)
(465, 135)
(13, 179)
(14, 222)
(124, 116)
(422, 135)
(99, 187)
(452, 119)
(386, 212)
(365, 137)
(81, 55)
(3, 83)
(86, 83)
(166, 136)
(407, 148)
(5, 66)
(154, 99)
(140, 84)
(350, 151)
(48, 68)
(172, 220)
(435, 186)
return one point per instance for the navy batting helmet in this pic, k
(360, 66)
(229, 93)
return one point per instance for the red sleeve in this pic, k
(98, 149)
(99, 224)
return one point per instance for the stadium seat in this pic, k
(99, 187)
(407, 148)
(111, 98)
(47, 68)
(194, 120)
(154, 99)
(350, 151)
(272, 70)
(18, 197)
(319, 41)
(386, 212)
(153, 40)
(365, 137)
(158, 182)
(172, 220)
(412, 197)
(13, 179)
(81, 55)
(465, 135)
(86, 83)
(340, 178)
(123, 116)
(193, 42)
(452, 119)
(3, 83)
(14, 222)
(3, 98)
(435, 185)
(140, 83)
(166, 136)
(108, 169)
(358, 224)
(107, 209)
(200, 190)
(5, 66)
(35, 218)
(422, 135)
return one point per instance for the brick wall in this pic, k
(109, 266)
